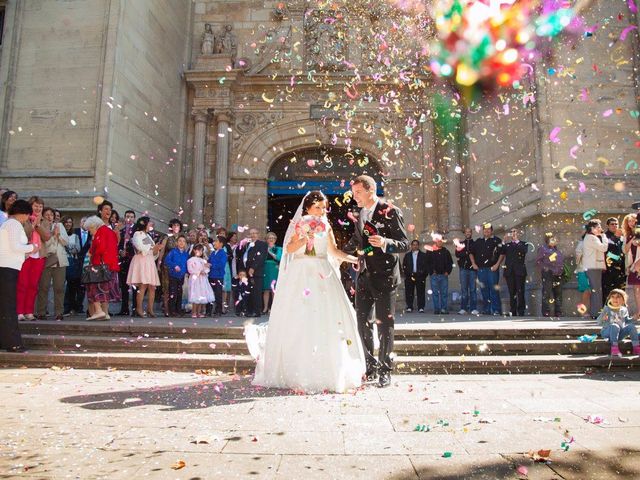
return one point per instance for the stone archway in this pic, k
(257, 152)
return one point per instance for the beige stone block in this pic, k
(350, 466)
(287, 442)
(206, 465)
(462, 466)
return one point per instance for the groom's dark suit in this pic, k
(378, 278)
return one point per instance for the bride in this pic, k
(312, 341)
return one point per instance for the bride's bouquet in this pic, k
(309, 226)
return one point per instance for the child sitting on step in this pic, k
(617, 324)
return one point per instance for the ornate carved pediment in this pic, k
(325, 40)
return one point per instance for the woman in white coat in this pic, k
(593, 260)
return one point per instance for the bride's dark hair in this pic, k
(311, 198)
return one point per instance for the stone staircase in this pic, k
(494, 346)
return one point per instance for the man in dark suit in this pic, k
(515, 271)
(379, 237)
(76, 290)
(414, 267)
(125, 253)
(251, 258)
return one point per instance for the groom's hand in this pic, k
(376, 241)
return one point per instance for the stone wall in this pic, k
(144, 155)
(51, 70)
(95, 102)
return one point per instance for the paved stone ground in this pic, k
(116, 425)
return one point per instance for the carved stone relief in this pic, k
(249, 121)
(325, 40)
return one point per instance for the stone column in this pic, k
(454, 172)
(447, 137)
(220, 210)
(201, 119)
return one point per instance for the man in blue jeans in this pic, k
(468, 275)
(487, 254)
(439, 264)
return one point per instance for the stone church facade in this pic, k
(226, 112)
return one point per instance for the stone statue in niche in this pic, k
(280, 11)
(227, 43)
(208, 40)
(325, 41)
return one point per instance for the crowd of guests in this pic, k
(109, 259)
(605, 260)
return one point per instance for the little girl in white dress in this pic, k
(200, 291)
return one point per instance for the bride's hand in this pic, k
(351, 259)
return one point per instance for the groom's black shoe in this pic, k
(385, 380)
(371, 375)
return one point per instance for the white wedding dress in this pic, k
(311, 342)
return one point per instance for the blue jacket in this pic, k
(218, 262)
(177, 258)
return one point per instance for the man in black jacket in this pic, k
(515, 271)
(468, 275)
(125, 253)
(251, 258)
(378, 238)
(487, 255)
(414, 267)
(74, 295)
(440, 265)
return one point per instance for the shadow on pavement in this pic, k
(196, 395)
(573, 465)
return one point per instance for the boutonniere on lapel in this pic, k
(386, 211)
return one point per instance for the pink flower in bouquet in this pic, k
(310, 225)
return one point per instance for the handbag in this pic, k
(95, 274)
(51, 261)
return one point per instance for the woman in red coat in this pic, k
(104, 249)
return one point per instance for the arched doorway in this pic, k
(327, 169)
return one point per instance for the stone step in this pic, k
(133, 329)
(78, 343)
(503, 347)
(245, 364)
(130, 361)
(513, 364)
(186, 330)
(503, 332)
(83, 343)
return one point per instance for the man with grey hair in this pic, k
(251, 258)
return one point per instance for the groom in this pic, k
(378, 238)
